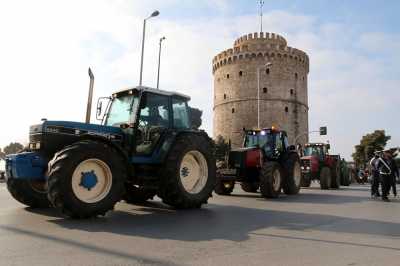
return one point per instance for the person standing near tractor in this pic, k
(388, 172)
(375, 175)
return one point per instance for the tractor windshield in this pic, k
(121, 110)
(262, 139)
(313, 150)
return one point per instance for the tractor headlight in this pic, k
(34, 146)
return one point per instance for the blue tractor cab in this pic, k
(144, 146)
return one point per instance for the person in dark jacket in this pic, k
(388, 172)
(375, 175)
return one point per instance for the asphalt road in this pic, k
(343, 227)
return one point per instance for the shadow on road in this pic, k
(220, 222)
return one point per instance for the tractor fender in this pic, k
(171, 139)
(107, 141)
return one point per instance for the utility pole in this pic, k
(154, 14)
(159, 62)
(261, 15)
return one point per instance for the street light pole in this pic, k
(258, 91)
(154, 14)
(159, 62)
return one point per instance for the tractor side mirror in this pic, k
(100, 112)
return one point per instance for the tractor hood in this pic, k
(51, 136)
(67, 126)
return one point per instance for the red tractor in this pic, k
(266, 162)
(317, 164)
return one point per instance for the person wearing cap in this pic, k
(388, 172)
(375, 175)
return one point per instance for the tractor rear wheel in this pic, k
(188, 172)
(271, 180)
(325, 178)
(86, 179)
(292, 181)
(335, 181)
(250, 187)
(137, 194)
(29, 193)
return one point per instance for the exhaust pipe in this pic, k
(90, 97)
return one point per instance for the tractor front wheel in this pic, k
(188, 174)
(29, 193)
(325, 178)
(250, 187)
(336, 176)
(224, 187)
(86, 179)
(271, 180)
(292, 181)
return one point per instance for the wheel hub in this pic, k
(193, 172)
(185, 172)
(89, 180)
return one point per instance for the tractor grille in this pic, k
(305, 163)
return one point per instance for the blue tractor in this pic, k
(145, 146)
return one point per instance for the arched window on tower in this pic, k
(240, 73)
(286, 109)
(267, 71)
(227, 76)
(265, 90)
(233, 110)
(224, 96)
(291, 91)
(296, 75)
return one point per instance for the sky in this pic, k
(46, 48)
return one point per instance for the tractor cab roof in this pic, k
(262, 130)
(152, 90)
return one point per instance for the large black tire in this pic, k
(250, 187)
(172, 191)
(136, 194)
(271, 173)
(325, 178)
(224, 187)
(346, 179)
(62, 167)
(29, 193)
(335, 181)
(305, 181)
(292, 181)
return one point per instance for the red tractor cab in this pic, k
(266, 162)
(317, 164)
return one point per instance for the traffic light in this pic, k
(323, 131)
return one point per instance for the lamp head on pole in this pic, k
(154, 14)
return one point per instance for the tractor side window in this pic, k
(153, 121)
(278, 143)
(286, 142)
(180, 114)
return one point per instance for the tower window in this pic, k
(267, 71)
(286, 109)
(240, 73)
(296, 76)
(224, 96)
(233, 110)
(265, 90)
(291, 91)
(227, 76)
